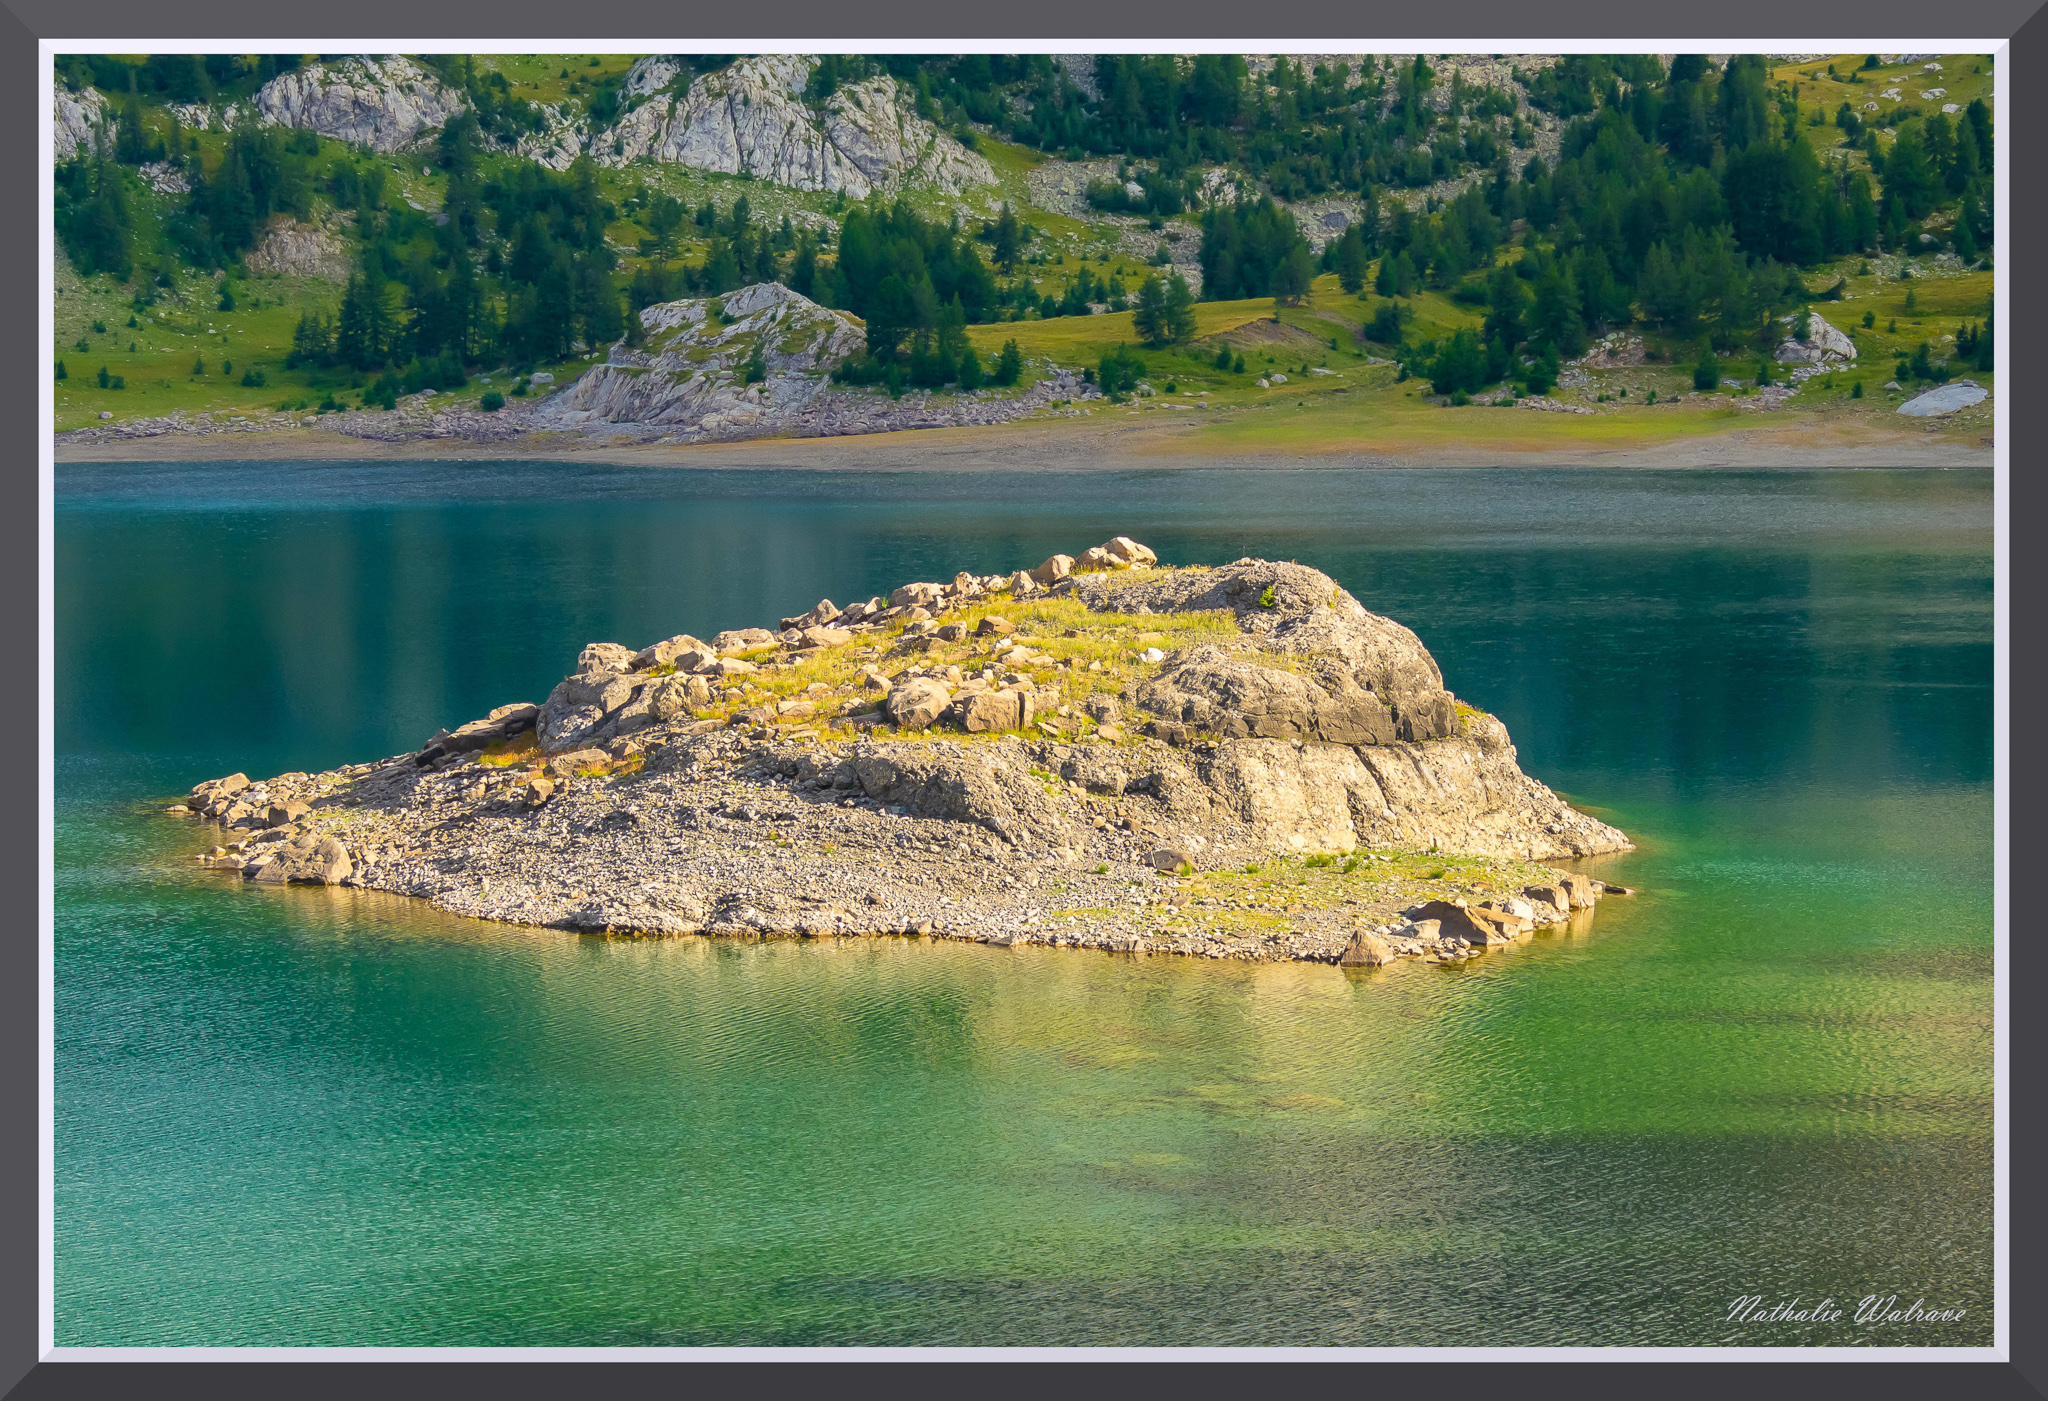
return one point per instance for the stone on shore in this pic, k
(914, 704)
(1367, 950)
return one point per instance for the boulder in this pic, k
(1022, 585)
(823, 612)
(283, 814)
(538, 791)
(577, 710)
(674, 697)
(315, 863)
(1556, 895)
(736, 640)
(1583, 891)
(579, 762)
(819, 636)
(952, 632)
(993, 626)
(927, 596)
(221, 787)
(995, 710)
(604, 656)
(916, 702)
(1944, 400)
(1055, 568)
(1367, 950)
(1096, 557)
(1125, 550)
(1823, 342)
(1474, 924)
(666, 652)
(503, 723)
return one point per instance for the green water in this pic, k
(329, 1117)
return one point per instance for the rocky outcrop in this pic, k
(1357, 672)
(1824, 345)
(691, 369)
(563, 136)
(74, 116)
(1945, 399)
(920, 763)
(299, 250)
(385, 103)
(752, 118)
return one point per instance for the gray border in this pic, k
(25, 21)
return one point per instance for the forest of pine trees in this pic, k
(1688, 199)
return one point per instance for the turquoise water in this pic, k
(327, 1117)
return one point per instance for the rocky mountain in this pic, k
(752, 118)
(1002, 758)
(385, 103)
(690, 369)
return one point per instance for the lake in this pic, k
(312, 1116)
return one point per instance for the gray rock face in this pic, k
(1292, 609)
(751, 117)
(505, 722)
(385, 103)
(1823, 344)
(579, 709)
(299, 250)
(1213, 693)
(987, 785)
(1939, 402)
(690, 372)
(74, 116)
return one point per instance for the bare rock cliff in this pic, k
(752, 118)
(385, 103)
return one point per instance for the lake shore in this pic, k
(1094, 445)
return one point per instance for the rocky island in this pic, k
(1102, 751)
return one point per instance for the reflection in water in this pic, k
(310, 1116)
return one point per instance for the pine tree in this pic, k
(1009, 240)
(1149, 319)
(1351, 260)
(1010, 365)
(1706, 375)
(1291, 276)
(1180, 310)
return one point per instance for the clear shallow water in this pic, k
(314, 1116)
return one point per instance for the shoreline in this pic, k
(1070, 447)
